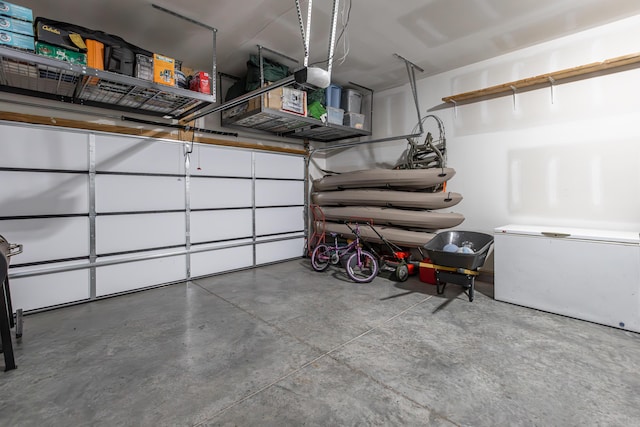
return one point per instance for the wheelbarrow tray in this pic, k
(478, 242)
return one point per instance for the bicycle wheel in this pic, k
(320, 258)
(363, 268)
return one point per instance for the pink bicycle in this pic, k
(361, 266)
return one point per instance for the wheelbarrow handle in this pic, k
(452, 269)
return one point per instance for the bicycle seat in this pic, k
(334, 234)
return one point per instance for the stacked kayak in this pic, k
(406, 206)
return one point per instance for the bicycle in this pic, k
(361, 266)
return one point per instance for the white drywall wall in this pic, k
(573, 162)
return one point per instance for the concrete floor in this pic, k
(283, 345)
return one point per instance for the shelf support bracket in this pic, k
(411, 67)
(514, 90)
(214, 68)
(455, 108)
(552, 82)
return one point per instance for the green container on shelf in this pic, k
(60, 53)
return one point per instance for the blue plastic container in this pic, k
(333, 95)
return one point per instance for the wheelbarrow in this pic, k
(456, 256)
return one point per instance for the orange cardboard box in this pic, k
(164, 70)
(95, 54)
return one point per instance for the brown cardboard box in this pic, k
(188, 71)
(273, 99)
(254, 104)
(284, 99)
(294, 101)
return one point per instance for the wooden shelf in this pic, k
(545, 79)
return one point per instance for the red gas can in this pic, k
(428, 274)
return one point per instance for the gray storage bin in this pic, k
(351, 101)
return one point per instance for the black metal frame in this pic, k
(6, 314)
(467, 281)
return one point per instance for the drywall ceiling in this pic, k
(437, 35)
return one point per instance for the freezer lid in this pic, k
(612, 236)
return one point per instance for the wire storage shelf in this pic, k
(291, 125)
(30, 74)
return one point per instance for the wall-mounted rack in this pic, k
(544, 79)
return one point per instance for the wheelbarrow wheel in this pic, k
(402, 273)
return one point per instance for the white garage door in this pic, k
(101, 214)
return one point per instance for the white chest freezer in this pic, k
(587, 274)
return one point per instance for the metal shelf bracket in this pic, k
(552, 83)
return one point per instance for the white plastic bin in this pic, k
(335, 115)
(354, 120)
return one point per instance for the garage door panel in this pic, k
(279, 220)
(279, 193)
(43, 193)
(209, 226)
(271, 165)
(48, 239)
(31, 293)
(210, 193)
(126, 193)
(118, 233)
(130, 276)
(221, 260)
(218, 161)
(278, 251)
(43, 148)
(123, 153)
